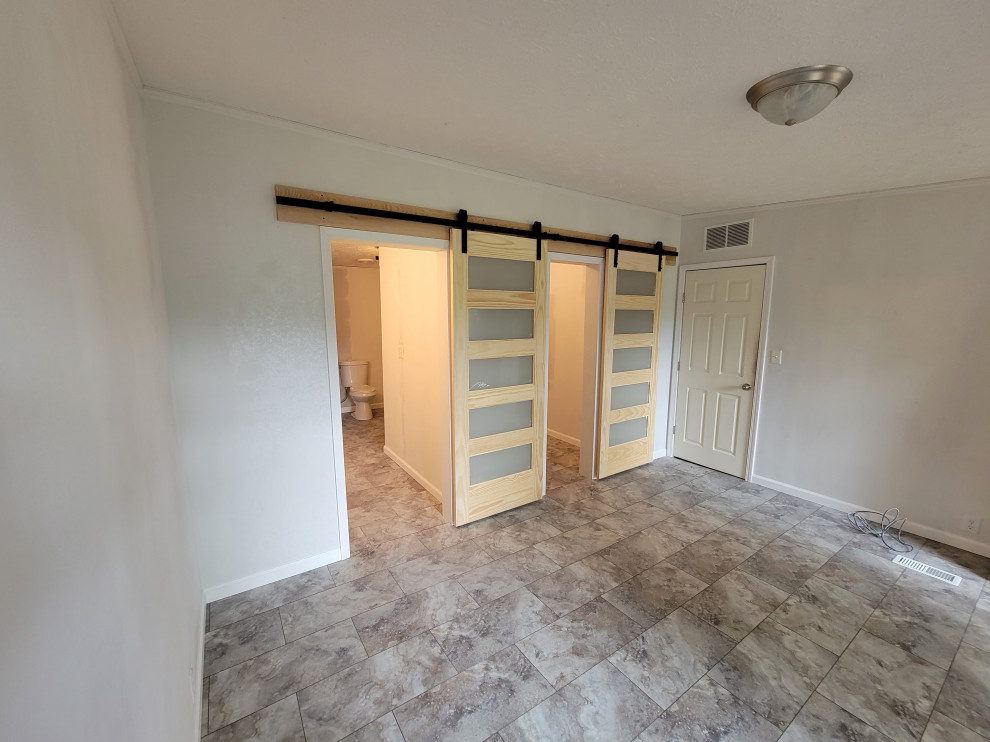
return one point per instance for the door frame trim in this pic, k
(336, 421)
(589, 418)
(760, 355)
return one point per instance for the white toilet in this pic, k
(354, 378)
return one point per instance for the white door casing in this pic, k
(719, 349)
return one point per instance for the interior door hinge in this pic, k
(673, 430)
(678, 365)
(683, 297)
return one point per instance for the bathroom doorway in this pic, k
(388, 341)
(575, 312)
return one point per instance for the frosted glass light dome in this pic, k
(797, 95)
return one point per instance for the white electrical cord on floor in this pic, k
(889, 520)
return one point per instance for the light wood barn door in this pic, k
(630, 341)
(498, 376)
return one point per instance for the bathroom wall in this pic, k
(357, 303)
(566, 353)
(415, 355)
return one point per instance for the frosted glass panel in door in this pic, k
(630, 321)
(500, 324)
(491, 373)
(626, 431)
(501, 418)
(631, 359)
(488, 466)
(630, 394)
(500, 275)
(635, 283)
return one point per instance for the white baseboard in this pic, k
(423, 481)
(946, 537)
(659, 453)
(350, 407)
(258, 579)
(564, 437)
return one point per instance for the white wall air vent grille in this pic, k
(739, 234)
(927, 569)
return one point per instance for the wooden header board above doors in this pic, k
(302, 215)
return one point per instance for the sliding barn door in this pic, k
(630, 341)
(498, 377)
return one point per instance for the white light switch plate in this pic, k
(776, 357)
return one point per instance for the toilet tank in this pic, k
(353, 373)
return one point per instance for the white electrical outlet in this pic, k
(973, 524)
(776, 357)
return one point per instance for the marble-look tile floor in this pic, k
(666, 603)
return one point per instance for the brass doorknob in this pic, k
(747, 387)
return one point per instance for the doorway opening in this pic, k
(574, 349)
(388, 342)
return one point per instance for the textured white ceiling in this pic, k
(639, 100)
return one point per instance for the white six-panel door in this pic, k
(720, 338)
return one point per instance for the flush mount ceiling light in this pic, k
(796, 95)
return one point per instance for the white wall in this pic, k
(416, 358)
(566, 350)
(246, 317)
(880, 305)
(100, 601)
(357, 302)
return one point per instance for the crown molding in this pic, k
(117, 31)
(901, 191)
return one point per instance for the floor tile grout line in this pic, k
(302, 723)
